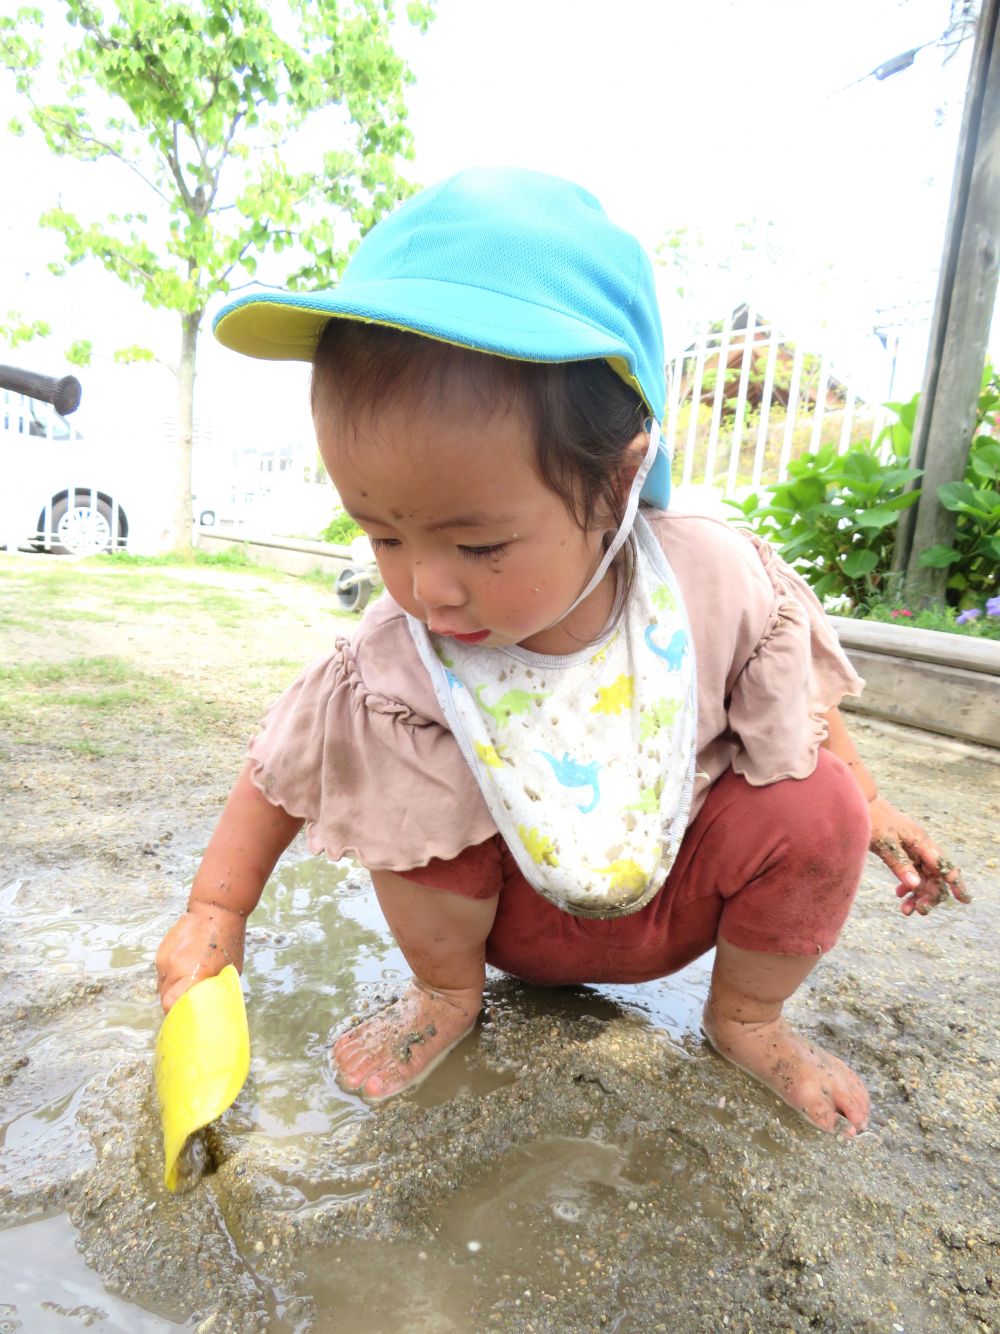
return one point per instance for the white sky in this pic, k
(701, 114)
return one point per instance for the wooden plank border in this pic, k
(923, 678)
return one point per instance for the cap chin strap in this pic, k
(625, 527)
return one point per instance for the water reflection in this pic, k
(318, 954)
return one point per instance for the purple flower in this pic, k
(966, 616)
(993, 606)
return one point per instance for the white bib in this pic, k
(585, 761)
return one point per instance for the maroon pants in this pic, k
(772, 869)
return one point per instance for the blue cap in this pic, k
(505, 261)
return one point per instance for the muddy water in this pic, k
(581, 1162)
(318, 955)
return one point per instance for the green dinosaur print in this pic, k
(540, 849)
(663, 598)
(662, 714)
(615, 697)
(515, 701)
(649, 799)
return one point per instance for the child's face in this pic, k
(467, 536)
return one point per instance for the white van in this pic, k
(64, 493)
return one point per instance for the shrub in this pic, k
(341, 530)
(983, 624)
(834, 518)
(973, 558)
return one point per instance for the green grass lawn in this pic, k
(99, 653)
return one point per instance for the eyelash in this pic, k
(484, 553)
(470, 553)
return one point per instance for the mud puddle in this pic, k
(47, 1288)
(581, 1162)
(289, 1230)
(585, 1102)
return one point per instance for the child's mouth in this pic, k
(476, 638)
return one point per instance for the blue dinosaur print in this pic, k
(572, 774)
(453, 680)
(673, 654)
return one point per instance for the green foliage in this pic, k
(128, 356)
(341, 530)
(894, 612)
(15, 330)
(773, 442)
(834, 517)
(201, 101)
(973, 559)
(79, 353)
(229, 558)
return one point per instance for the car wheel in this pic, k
(81, 527)
(353, 588)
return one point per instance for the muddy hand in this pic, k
(926, 877)
(199, 944)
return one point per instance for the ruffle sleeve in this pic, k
(796, 674)
(357, 747)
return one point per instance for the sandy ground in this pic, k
(581, 1163)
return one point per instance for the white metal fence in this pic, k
(745, 397)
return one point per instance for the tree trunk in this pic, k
(183, 516)
(963, 313)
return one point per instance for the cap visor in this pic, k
(287, 326)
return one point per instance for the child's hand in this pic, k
(199, 944)
(927, 877)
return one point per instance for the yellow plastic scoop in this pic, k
(202, 1061)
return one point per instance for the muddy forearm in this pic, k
(250, 837)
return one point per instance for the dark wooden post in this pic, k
(962, 315)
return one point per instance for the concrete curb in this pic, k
(280, 553)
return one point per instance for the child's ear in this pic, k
(632, 457)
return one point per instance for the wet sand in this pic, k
(582, 1162)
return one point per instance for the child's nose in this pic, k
(435, 584)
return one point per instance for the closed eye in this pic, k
(484, 553)
(470, 553)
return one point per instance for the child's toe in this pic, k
(822, 1113)
(353, 1062)
(384, 1083)
(855, 1105)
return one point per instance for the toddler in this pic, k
(578, 738)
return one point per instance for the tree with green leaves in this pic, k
(200, 101)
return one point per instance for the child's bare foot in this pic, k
(400, 1045)
(811, 1080)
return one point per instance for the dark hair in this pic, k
(581, 413)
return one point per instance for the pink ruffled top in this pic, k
(357, 746)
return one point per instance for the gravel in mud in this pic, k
(589, 1171)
